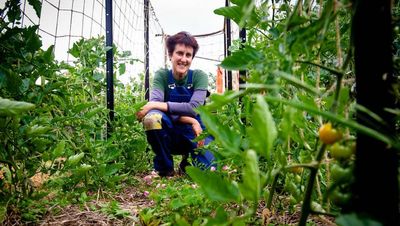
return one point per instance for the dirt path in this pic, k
(124, 207)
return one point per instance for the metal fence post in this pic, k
(109, 65)
(228, 44)
(242, 73)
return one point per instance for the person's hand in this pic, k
(197, 130)
(150, 106)
(196, 127)
(143, 111)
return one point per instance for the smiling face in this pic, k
(181, 60)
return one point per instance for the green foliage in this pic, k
(242, 59)
(14, 108)
(37, 6)
(251, 186)
(355, 220)
(297, 79)
(263, 126)
(3, 212)
(147, 218)
(178, 201)
(113, 210)
(53, 118)
(215, 186)
(242, 13)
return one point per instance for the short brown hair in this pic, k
(182, 37)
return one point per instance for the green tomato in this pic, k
(340, 173)
(297, 178)
(28, 56)
(340, 152)
(292, 200)
(340, 198)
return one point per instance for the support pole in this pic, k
(375, 190)
(146, 49)
(109, 66)
(165, 50)
(228, 44)
(242, 73)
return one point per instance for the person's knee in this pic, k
(152, 121)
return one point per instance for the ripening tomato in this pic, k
(296, 169)
(329, 135)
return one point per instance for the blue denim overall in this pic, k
(174, 137)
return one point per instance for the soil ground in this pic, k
(133, 199)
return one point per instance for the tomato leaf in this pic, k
(3, 212)
(48, 55)
(59, 150)
(214, 186)
(37, 6)
(242, 59)
(263, 132)
(227, 137)
(243, 13)
(122, 68)
(218, 101)
(355, 220)
(297, 82)
(74, 159)
(251, 186)
(12, 108)
(232, 12)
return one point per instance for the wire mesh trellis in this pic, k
(63, 22)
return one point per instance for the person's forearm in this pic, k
(187, 108)
(197, 130)
(152, 105)
(188, 120)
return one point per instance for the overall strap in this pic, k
(190, 79)
(171, 81)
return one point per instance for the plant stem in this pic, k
(306, 207)
(271, 194)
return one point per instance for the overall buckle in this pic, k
(171, 86)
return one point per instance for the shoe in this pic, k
(182, 167)
(170, 173)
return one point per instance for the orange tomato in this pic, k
(329, 135)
